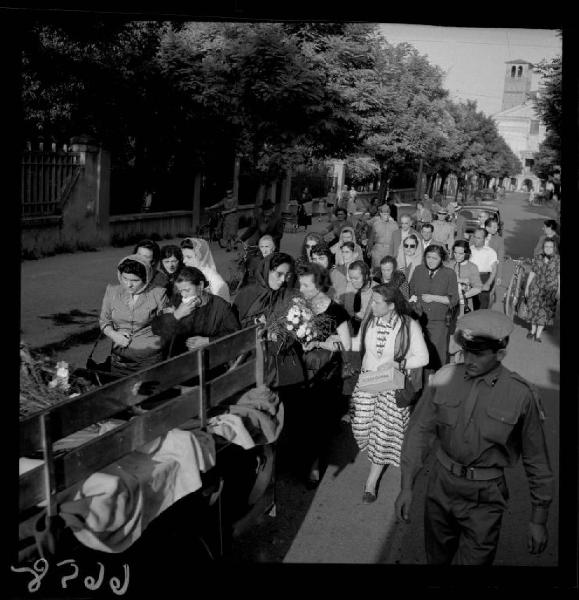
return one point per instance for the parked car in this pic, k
(485, 196)
(471, 213)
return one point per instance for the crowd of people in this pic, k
(394, 291)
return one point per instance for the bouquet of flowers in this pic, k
(299, 323)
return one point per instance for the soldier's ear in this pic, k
(501, 354)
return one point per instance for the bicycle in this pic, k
(237, 276)
(212, 231)
(516, 285)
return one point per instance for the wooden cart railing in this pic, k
(40, 431)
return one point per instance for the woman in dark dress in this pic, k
(196, 317)
(390, 275)
(267, 299)
(433, 291)
(319, 408)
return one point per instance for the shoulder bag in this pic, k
(407, 395)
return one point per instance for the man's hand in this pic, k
(195, 342)
(537, 538)
(402, 505)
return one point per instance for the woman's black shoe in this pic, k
(530, 336)
(368, 498)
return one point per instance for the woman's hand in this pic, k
(196, 341)
(310, 346)
(413, 298)
(184, 309)
(121, 338)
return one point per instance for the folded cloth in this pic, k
(262, 414)
(231, 428)
(262, 398)
(110, 509)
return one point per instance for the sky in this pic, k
(474, 58)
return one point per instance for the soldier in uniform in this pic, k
(485, 417)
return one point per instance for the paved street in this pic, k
(60, 302)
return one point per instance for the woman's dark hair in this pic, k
(436, 249)
(389, 260)
(428, 225)
(280, 258)
(362, 267)
(150, 245)
(491, 220)
(350, 245)
(552, 224)
(187, 243)
(191, 275)
(461, 244)
(324, 250)
(321, 276)
(391, 293)
(340, 209)
(171, 251)
(133, 267)
(310, 236)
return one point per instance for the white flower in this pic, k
(301, 332)
(308, 338)
(295, 320)
(289, 327)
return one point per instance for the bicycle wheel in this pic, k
(512, 296)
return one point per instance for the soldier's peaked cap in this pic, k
(480, 326)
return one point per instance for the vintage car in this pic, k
(471, 213)
(485, 196)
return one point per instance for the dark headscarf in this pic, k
(258, 298)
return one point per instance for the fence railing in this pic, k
(47, 177)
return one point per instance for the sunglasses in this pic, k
(410, 245)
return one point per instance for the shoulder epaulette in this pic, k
(534, 392)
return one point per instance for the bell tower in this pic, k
(518, 76)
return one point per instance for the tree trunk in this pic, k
(384, 183)
(443, 179)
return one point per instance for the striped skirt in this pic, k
(379, 425)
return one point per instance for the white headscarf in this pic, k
(205, 262)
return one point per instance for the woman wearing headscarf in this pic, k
(267, 299)
(434, 292)
(348, 234)
(409, 255)
(196, 253)
(378, 423)
(543, 289)
(197, 317)
(127, 311)
(391, 275)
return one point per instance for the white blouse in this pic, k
(417, 355)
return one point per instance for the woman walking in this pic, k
(543, 289)
(378, 424)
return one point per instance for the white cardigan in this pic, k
(417, 355)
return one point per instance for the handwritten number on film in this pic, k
(41, 566)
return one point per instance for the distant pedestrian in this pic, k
(495, 241)
(381, 236)
(482, 418)
(443, 233)
(229, 205)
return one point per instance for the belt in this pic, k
(474, 473)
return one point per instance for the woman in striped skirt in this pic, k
(378, 424)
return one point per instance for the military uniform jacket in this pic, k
(504, 422)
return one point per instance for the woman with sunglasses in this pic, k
(410, 255)
(311, 239)
(434, 292)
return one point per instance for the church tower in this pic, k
(518, 77)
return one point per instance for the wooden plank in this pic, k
(228, 384)
(82, 411)
(86, 459)
(230, 347)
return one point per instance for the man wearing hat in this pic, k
(485, 417)
(443, 233)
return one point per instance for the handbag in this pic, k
(408, 393)
(92, 365)
(523, 310)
